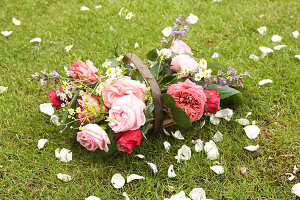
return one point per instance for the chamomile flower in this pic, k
(120, 58)
(207, 73)
(110, 72)
(99, 88)
(203, 63)
(68, 48)
(117, 71)
(66, 69)
(129, 15)
(106, 64)
(71, 111)
(198, 76)
(81, 93)
(184, 70)
(63, 105)
(120, 13)
(78, 110)
(80, 128)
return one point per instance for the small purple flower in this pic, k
(246, 73)
(241, 84)
(44, 71)
(54, 74)
(222, 81)
(182, 33)
(70, 73)
(231, 70)
(164, 41)
(187, 21)
(44, 82)
(237, 77)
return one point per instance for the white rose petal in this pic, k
(98, 7)
(262, 30)
(254, 57)
(218, 169)
(47, 109)
(218, 137)
(292, 176)
(167, 145)
(242, 121)
(213, 154)
(198, 194)
(202, 124)
(296, 189)
(198, 145)
(225, 114)
(177, 135)
(192, 19)
(16, 22)
(295, 34)
(166, 132)
(248, 114)
(84, 8)
(167, 31)
(252, 147)
(55, 120)
(184, 153)
(118, 181)
(170, 188)
(171, 172)
(3, 89)
(265, 81)
(126, 196)
(132, 177)
(216, 1)
(92, 198)
(214, 120)
(64, 177)
(296, 169)
(278, 47)
(215, 55)
(252, 131)
(6, 33)
(253, 122)
(68, 48)
(265, 51)
(276, 38)
(63, 155)
(41, 143)
(136, 45)
(35, 40)
(209, 146)
(179, 196)
(297, 56)
(1, 166)
(140, 156)
(153, 167)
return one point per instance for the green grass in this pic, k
(228, 28)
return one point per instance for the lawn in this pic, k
(228, 27)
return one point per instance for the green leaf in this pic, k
(215, 67)
(180, 117)
(116, 50)
(65, 118)
(168, 100)
(144, 129)
(152, 55)
(96, 120)
(154, 70)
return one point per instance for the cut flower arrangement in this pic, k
(113, 106)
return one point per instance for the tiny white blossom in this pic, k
(68, 48)
(129, 15)
(295, 34)
(6, 33)
(262, 30)
(16, 22)
(106, 64)
(120, 12)
(120, 58)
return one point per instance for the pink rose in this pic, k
(190, 97)
(178, 46)
(185, 61)
(114, 89)
(92, 137)
(126, 141)
(127, 114)
(213, 101)
(86, 72)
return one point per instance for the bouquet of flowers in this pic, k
(113, 106)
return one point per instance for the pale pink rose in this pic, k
(178, 46)
(127, 114)
(86, 72)
(190, 97)
(114, 89)
(92, 137)
(184, 61)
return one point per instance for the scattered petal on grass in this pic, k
(35, 40)
(252, 147)
(3, 89)
(153, 167)
(296, 189)
(167, 145)
(1, 166)
(218, 169)
(202, 124)
(68, 48)
(84, 8)
(177, 135)
(47, 109)
(16, 22)
(98, 7)
(295, 34)
(292, 176)
(296, 169)
(132, 177)
(254, 57)
(215, 55)
(167, 31)
(276, 38)
(184, 153)
(55, 120)
(179, 196)
(262, 30)
(117, 181)
(248, 114)
(198, 145)
(214, 120)
(244, 171)
(218, 137)
(216, 1)
(64, 177)
(126, 196)
(136, 45)
(171, 172)
(41, 143)
(140, 156)
(6, 33)
(111, 28)
(63, 155)
(92, 198)
(192, 19)
(170, 188)
(242, 121)
(278, 47)
(211, 150)
(297, 56)
(265, 51)
(198, 194)
(225, 114)
(252, 131)
(166, 132)
(253, 122)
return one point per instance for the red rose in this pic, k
(55, 99)
(213, 101)
(126, 141)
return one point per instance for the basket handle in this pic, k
(156, 93)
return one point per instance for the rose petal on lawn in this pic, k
(216, 1)
(202, 124)
(244, 171)
(98, 7)
(41, 143)
(167, 31)
(1, 166)
(265, 81)
(64, 155)
(252, 131)
(64, 177)
(248, 114)
(55, 120)
(47, 109)
(213, 154)
(295, 34)
(140, 156)
(276, 38)
(132, 177)
(209, 146)
(296, 169)
(225, 114)
(136, 45)
(170, 188)
(278, 47)
(218, 169)
(292, 176)
(198, 145)
(177, 135)
(262, 30)
(126, 196)
(215, 55)
(68, 48)
(242, 121)
(16, 22)
(166, 132)
(184, 153)
(167, 145)
(179, 196)
(296, 189)
(84, 8)
(35, 40)
(6, 33)
(254, 57)
(253, 122)
(117, 181)
(192, 18)
(252, 147)
(214, 120)
(218, 137)
(3, 89)
(265, 51)
(153, 167)
(297, 56)
(92, 198)
(198, 194)
(171, 172)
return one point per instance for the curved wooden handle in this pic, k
(156, 93)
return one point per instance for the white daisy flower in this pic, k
(203, 63)
(198, 76)
(120, 13)
(129, 15)
(106, 64)
(207, 73)
(71, 111)
(111, 72)
(78, 110)
(117, 71)
(120, 58)
(68, 48)
(99, 88)
(184, 70)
